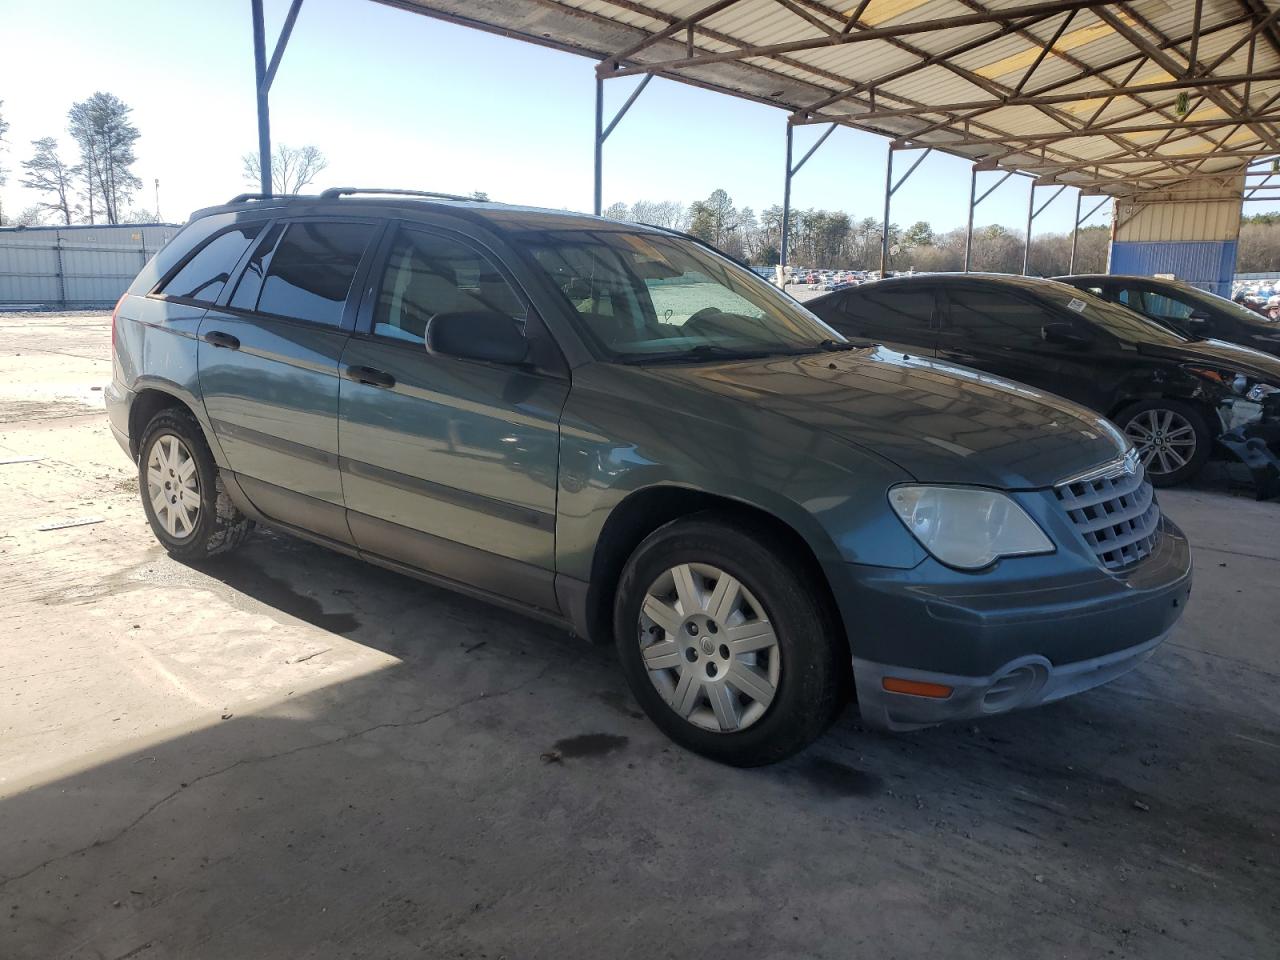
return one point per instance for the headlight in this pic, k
(967, 527)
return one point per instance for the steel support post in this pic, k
(791, 171)
(602, 132)
(890, 188)
(973, 204)
(786, 211)
(261, 88)
(264, 74)
(968, 230)
(1075, 234)
(1032, 213)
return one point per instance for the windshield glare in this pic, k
(641, 296)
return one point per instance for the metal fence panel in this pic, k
(74, 267)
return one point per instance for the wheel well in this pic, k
(145, 406)
(646, 510)
(1207, 410)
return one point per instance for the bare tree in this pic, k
(47, 173)
(101, 129)
(4, 129)
(292, 168)
(32, 216)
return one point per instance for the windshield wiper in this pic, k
(703, 351)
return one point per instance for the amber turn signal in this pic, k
(917, 688)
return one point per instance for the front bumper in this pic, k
(1011, 644)
(1025, 682)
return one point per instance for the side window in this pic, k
(1167, 308)
(427, 275)
(307, 275)
(1130, 298)
(886, 311)
(996, 317)
(205, 274)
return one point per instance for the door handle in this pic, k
(219, 339)
(370, 376)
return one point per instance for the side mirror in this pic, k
(477, 335)
(1063, 334)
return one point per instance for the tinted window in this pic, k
(644, 296)
(427, 275)
(994, 316)
(309, 272)
(1158, 305)
(890, 309)
(205, 274)
(250, 285)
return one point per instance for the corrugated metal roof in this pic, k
(1111, 97)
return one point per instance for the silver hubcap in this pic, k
(709, 647)
(173, 486)
(1166, 440)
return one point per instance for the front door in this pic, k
(449, 465)
(1000, 331)
(268, 363)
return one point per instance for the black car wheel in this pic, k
(726, 642)
(1172, 438)
(182, 494)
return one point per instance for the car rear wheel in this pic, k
(182, 493)
(726, 642)
(1172, 439)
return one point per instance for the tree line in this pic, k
(833, 239)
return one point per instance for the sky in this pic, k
(398, 99)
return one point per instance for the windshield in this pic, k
(1211, 302)
(641, 297)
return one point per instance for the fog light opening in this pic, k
(1014, 688)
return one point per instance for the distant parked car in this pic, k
(1172, 396)
(1187, 309)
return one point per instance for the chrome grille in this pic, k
(1116, 513)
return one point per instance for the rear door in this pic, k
(901, 317)
(999, 330)
(268, 360)
(449, 465)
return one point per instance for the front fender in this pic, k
(612, 445)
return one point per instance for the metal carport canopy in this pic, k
(1121, 98)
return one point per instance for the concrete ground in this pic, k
(292, 754)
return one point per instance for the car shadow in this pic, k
(496, 791)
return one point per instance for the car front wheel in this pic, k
(726, 642)
(1171, 437)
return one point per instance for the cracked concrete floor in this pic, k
(291, 754)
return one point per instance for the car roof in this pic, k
(503, 216)
(1035, 284)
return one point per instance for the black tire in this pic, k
(809, 690)
(218, 526)
(1136, 419)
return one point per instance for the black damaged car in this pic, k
(1178, 398)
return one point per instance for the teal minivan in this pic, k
(617, 429)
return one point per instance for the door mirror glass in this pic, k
(477, 335)
(1063, 335)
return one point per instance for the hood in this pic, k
(938, 422)
(1219, 353)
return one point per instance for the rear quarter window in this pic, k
(203, 276)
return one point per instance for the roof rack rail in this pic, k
(334, 192)
(242, 197)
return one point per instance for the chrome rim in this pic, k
(173, 486)
(709, 647)
(1165, 440)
